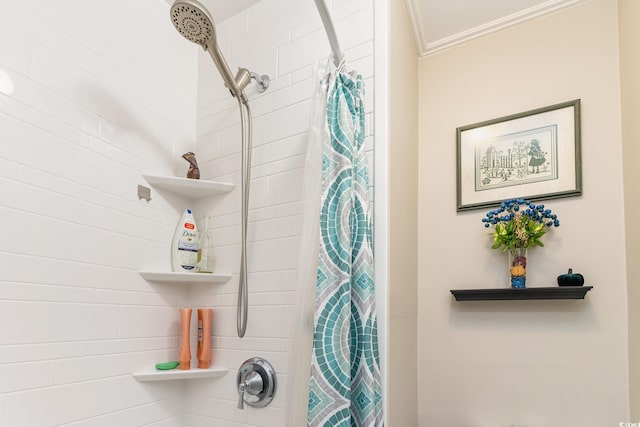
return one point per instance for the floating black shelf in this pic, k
(560, 292)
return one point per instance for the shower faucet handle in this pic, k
(241, 389)
(256, 382)
(253, 385)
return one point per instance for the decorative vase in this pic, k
(518, 267)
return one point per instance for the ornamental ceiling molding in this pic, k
(428, 48)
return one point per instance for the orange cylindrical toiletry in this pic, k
(204, 337)
(185, 345)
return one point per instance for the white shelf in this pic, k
(189, 188)
(173, 277)
(177, 374)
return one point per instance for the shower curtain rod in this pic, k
(331, 31)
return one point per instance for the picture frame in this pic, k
(534, 154)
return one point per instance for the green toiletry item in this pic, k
(167, 365)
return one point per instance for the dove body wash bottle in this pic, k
(184, 250)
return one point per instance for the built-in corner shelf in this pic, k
(189, 188)
(192, 189)
(177, 278)
(177, 374)
(497, 294)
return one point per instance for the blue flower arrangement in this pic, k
(519, 223)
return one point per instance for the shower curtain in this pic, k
(345, 386)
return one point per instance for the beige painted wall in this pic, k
(403, 209)
(524, 363)
(630, 85)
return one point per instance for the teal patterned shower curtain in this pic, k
(345, 388)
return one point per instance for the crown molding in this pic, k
(429, 48)
(416, 26)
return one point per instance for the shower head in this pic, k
(194, 22)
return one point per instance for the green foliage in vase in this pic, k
(519, 223)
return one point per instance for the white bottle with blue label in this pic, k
(184, 250)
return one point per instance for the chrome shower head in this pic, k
(194, 22)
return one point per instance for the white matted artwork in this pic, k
(534, 154)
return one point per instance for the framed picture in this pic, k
(535, 155)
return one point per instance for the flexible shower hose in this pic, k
(245, 180)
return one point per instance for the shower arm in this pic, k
(331, 32)
(262, 81)
(242, 79)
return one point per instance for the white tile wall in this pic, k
(100, 93)
(284, 38)
(96, 100)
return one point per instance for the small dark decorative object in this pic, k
(193, 172)
(570, 279)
